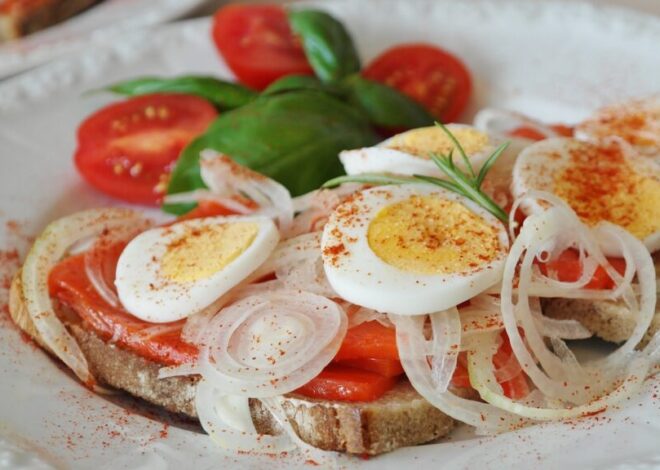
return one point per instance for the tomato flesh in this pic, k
(534, 134)
(68, 282)
(515, 388)
(433, 77)
(257, 44)
(568, 268)
(206, 209)
(384, 367)
(337, 382)
(128, 149)
(369, 340)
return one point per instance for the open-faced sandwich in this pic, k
(439, 281)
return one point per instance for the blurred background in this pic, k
(34, 32)
(649, 6)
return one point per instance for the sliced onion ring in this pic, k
(558, 375)
(47, 250)
(483, 379)
(272, 343)
(411, 343)
(228, 421)
(227, 178)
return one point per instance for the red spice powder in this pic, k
(594, 175)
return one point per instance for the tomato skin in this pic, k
(369, 340)
(433, 77)
(342, 383)
(128, 148)
(569, 269)
(257, 44)
(384, 367)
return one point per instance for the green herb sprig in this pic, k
(467, 184)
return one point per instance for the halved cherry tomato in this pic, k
(533, 134)
(128, 149)
(384, 367)
(433, 77)
(569, 269)
(258, 44)
(369, 340)
(342, 383)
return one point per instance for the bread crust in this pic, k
(399, 418)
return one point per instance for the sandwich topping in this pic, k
(311, 265)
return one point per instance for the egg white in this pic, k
(383, 159)
(147, 294)
(361, 277)
(536, 169)
(608, 122)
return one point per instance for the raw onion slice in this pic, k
(226, 178)
(314, 208)
(199, 195)
(483, 379)
(358, 315)
(320, 457)
(558, 375)
(297, 263)
(432, 385)
(47, 250)
(499, 122)
(227, 419)
(101, 272)
(272, 343)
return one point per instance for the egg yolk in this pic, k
(427, 140)
(431, 235)
(600, 184)
(200, 252)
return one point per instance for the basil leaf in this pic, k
(293, 138)
(386, 107)
(300, 82)
(328, 46)
(224, 95)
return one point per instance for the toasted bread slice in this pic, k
(609, 320)
(399, 418)
(22, 17)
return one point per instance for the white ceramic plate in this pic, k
(554, 61)
(106, 20)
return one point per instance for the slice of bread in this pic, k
(399, 418)
(609, 320)
(19, 18)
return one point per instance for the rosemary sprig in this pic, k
(467, 184)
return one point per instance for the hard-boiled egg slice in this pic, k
(601, 182)
(412, 249)
(169, 273)
(637, 122)
(409, 153)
